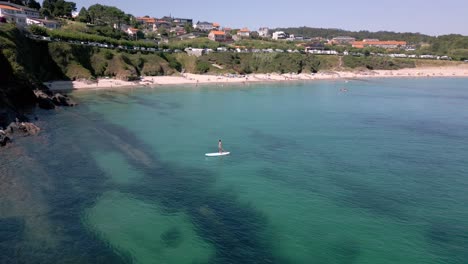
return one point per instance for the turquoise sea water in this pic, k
(378, 174)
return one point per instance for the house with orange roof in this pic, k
(132, 31)
(216, 26)
(243, 33)
(146, 20)
(148, 23)
(17, 14)
(12, 14)
(217, 35)
(389, 44)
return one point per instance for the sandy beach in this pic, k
(195, 79)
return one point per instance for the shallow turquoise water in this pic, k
(377, 174)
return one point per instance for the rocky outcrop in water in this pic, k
(48, 100)
(44, 101)
(23, 129)
(17, 129)
(62, 100)
(4, 138)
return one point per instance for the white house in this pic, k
(50, 24)
(243, 33)
(204, 26)
(279, 35)
(132, 31)
(16, 13)
(263, 32)
(13, 15)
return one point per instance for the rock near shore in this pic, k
(47, 100)
(17, 129)
(4, 139)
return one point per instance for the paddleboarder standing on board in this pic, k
(220, 146)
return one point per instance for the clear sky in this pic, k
(424, 16)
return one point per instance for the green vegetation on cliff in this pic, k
(83, 62)
(24, 63)
(377, 63)
(246, 63)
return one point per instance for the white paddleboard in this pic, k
(216, 154)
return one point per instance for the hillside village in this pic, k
(158, 33)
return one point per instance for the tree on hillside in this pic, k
(107, 15)
(59, 8)
(33, 4)
(188, 28)
(45, 12)
(18, 2)
(83, 16)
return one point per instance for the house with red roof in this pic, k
(243, 33)
(132, 31)
(17, 14)
(217, 35)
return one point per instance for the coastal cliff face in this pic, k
(24, 65)
(15, 93)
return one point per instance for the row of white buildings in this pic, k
(23, 16)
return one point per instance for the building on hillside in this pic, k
(227, 30)
(17, 14)
(179, 22)
(204, 26)
(162, 24)
(148, 22)
(295, 38)
(216, 26)
(12, 15)
(342, 41)
(50, 24)
(243, 33)
(389, 44)
(314, 46)
(132, 31)
(367, 40)
(145, 20)
(279, 35)
(29, 12)
(216, 35)
(182, 22)
(264, 32)
(179, 31)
